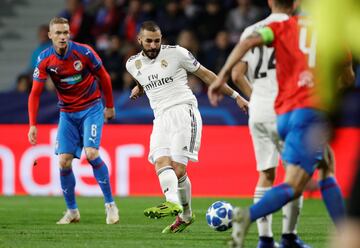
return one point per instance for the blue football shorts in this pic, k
(304, 132)
(80, 129)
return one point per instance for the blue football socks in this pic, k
(273, 200)
(101, 174)
(67, 180)
(333, 199)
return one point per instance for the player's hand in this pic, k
(32, 135)
(109, 113)
(136, 92)
(243, 104)
(214, 92)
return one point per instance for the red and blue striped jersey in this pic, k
(72, 74)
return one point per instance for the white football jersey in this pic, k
(164, 78)
(261, 73)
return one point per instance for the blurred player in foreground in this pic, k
(161, 72)
(337, 26)
(301, 125)
(78, 74)
(258, 68)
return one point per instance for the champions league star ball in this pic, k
(219, 216)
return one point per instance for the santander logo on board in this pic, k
(82, 170)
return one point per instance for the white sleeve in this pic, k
(187, 60)
(128, 67)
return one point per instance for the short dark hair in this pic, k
(284, 3)
(149, 26)
(58, 20)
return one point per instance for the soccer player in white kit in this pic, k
(258, 68)
(161, 72)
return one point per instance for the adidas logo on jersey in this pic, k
(185, 148)
(138, 73)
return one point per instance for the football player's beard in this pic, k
(151, 53)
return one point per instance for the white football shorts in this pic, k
(266, 144)
(178, 131)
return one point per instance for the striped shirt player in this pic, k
(75, 76)
(300, 124)
(78, 74)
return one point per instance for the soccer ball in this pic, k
(219, 216)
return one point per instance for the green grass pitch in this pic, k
(30, 222)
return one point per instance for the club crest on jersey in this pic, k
(36, 73)
(164, 63)
(78, 65)
(138, 64)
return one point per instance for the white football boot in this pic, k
(70, 216)
(240, 225)
(112, 213)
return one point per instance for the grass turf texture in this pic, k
(30, 222)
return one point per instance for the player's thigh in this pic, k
(92, 125)
(186, 129)
(159, 140)
(304, 144)
(266, 153)
(68, 136)
(327, 165)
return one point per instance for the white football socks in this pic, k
(169, 183)
(291, 212)
(264, 223)
(184, 193)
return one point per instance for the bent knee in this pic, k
(266, 178)
(180, 169)
(297, 187)
(162, 162)
(91, 153)
(65, 161)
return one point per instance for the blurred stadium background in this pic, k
(209, 29)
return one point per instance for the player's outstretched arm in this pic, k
(209, 77)
(33, 107)
(214, 91)
(238, 76)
